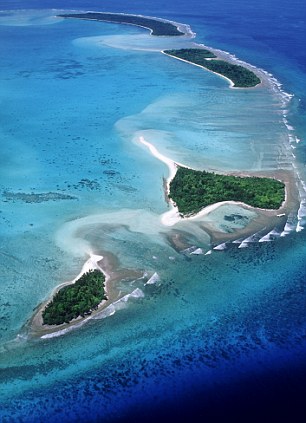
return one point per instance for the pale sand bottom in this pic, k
(107, 262)
(179, 239)
(262, 222)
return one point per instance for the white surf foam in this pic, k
(198, 251)
(220, 247)
(119, 304)
(66, 330)
(290, 225)
(189, 250)
(237, 241)
(265, 238)
(153, 279)
(108, 311)
(299, 227)
(270, 236)
(252, 238)
(244, 244)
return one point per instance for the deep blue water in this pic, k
(221, 338)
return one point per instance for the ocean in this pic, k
(216, 334)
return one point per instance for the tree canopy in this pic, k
(157, 26)
(241, 76)
(192, 190)
(77, 299)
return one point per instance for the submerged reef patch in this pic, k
(36, 198)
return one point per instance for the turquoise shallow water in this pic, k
(75, 97)
(87, 150)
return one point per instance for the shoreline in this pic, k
(231, 83)
(171, 217)
(184, 29)
(36, 323)
(266, 77)
(266, 219)
(108, 265)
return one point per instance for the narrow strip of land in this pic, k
(156, 26)
(240, 76)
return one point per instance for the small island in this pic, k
(157, 27)
(192, 190)
(240, 76)
(77, 299)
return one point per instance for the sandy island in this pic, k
(108, 265)
(91, 264)
(173, 216)
(231, 83)
(227, 58)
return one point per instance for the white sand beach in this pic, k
(172, 216)
(231, 83)
(228, 58)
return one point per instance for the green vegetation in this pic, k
(158, 27)
(194, 55)
(241, 76)
(78, 299)
(192, 190)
